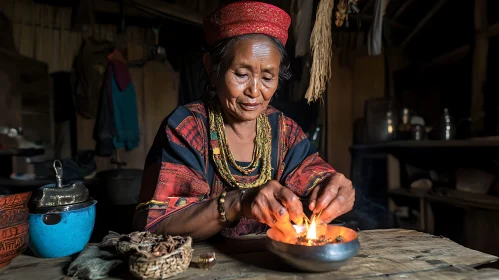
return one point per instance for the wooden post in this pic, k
(479, 67)
(429, 217)
(393, 178)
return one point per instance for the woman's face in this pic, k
(251, 78)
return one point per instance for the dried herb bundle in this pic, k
(150, 244)
(322, 51)
(167, 246)
(142, 237)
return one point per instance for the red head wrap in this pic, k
(247, 17)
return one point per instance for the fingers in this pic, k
(313, 198)
(340, 205)
(285, 227)
(272, 213)
(292, 203)
(281, 216)
(277, 206)
(279, 212)
(276, 234)
(333, 199)
(260, 211)
(327, 194)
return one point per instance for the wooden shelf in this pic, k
(431, 155)
(450, 196)
(34, 112)
(22, 152)
(15, 184)
(408, 192)
(472, 143)
(437, 150)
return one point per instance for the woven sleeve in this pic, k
(303, 167)
(175, 170)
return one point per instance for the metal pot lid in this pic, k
(57, 194)
(63, 208)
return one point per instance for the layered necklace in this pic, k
(223, 157)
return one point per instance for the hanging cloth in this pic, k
(125, 111)
(374, 38)
(117, 124)
(104, 129)
(301, 13)
(88, 76)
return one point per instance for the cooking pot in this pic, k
(61, 218)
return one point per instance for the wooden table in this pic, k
(384, 254)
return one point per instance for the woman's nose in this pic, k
(254, 88)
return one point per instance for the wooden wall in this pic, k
(156, 88)
(46, 35)
(43, 32)
(348, 88)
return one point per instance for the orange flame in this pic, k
(312, 230)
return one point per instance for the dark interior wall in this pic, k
(428, 87)
(428, 92)
(450, 28)
(491, 98)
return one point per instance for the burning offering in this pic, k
(319, 247)
(315, 234)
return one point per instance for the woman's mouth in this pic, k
(249, 106)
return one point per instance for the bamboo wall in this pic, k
(43, 32)
(348, 88)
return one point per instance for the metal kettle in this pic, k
(62, 217)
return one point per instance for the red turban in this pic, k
(247, 17)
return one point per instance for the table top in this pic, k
(384, 254)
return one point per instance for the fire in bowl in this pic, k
(331, 249)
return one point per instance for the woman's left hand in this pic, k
(334, 198)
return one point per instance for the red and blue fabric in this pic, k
(181, 172)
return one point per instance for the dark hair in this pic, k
(220, 54)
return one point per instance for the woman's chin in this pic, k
(241, 115)
(249, 113)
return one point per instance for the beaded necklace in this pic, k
(222, 155)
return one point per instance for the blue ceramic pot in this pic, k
(57, 232)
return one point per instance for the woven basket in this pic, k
(155, 268)
(128, 248)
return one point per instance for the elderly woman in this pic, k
(232, 164)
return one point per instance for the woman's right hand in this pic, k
(274, 205)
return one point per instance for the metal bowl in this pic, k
(317, 258)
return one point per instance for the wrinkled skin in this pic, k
(244, 91)
(274, 205)
(251, 77)
(332, 199)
